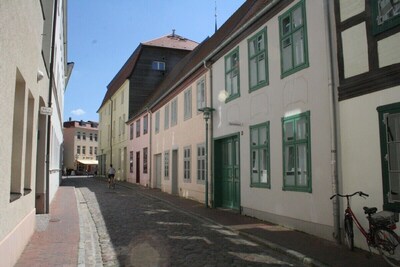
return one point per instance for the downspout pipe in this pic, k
(48, 133)
(210, 129)
(333, 121)
(149, 152)
(111, 131)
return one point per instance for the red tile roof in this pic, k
(173, 41)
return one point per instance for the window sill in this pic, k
(14, 196)
(27, 191)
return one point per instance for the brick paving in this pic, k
(57, 245)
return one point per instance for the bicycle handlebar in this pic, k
(361, 194)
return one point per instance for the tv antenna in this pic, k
(215, 14)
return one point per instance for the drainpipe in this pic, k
(210, 164)
(333, 122)
(111, 130)
(149, 152)
(51, 78)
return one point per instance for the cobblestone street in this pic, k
(129, 227)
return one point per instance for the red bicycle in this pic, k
(380, 234)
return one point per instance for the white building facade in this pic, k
(272, 131)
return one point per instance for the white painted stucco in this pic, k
(305, 90)
(355, 50)
(360, 157)
(350, 8)
(388, 50)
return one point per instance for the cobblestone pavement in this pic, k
(125, 227)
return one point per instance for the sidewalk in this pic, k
(56, 238)
(59, 244)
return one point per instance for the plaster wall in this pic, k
(305, 90)
(186, 133)
(361, 157)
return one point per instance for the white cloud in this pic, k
(78, 112)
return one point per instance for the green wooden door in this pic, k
(230, 173)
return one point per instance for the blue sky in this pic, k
(102, 34)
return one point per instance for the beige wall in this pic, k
(113, 121)
(71, 142)
(190, 132)
(19, 60)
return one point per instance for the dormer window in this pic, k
(158, 65)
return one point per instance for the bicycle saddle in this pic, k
(370, 211)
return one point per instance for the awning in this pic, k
(88, 161)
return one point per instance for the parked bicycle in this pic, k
(380, 234)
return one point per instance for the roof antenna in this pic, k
(215, 15)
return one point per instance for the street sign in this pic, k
(46, 111)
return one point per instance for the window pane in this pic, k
(252, 47)
(253, 72)
(289, 165)
(289, 134)
(254, 137)
(287, 54)
(297, 17)
(301, 129)
(298, 47)
(235, 83)
(234, 60)
(261, 68)
(260, 43)
(394, 178)
(228, 64)
(286, 25)
(393, 128)
(229, 84)
(254, 166)
(263, 135)
(263, 165)
(302, 172)
(394, 156)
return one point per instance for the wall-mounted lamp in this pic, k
(39, 75)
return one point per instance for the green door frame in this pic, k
(218, 171)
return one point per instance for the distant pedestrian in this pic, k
(111, 177)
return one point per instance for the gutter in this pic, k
(219, 48)
(333, 122)
(48, 134)
(149, 152)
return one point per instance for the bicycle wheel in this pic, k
(348, 232)
(387, 243)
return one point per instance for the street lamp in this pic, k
(207, 111)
